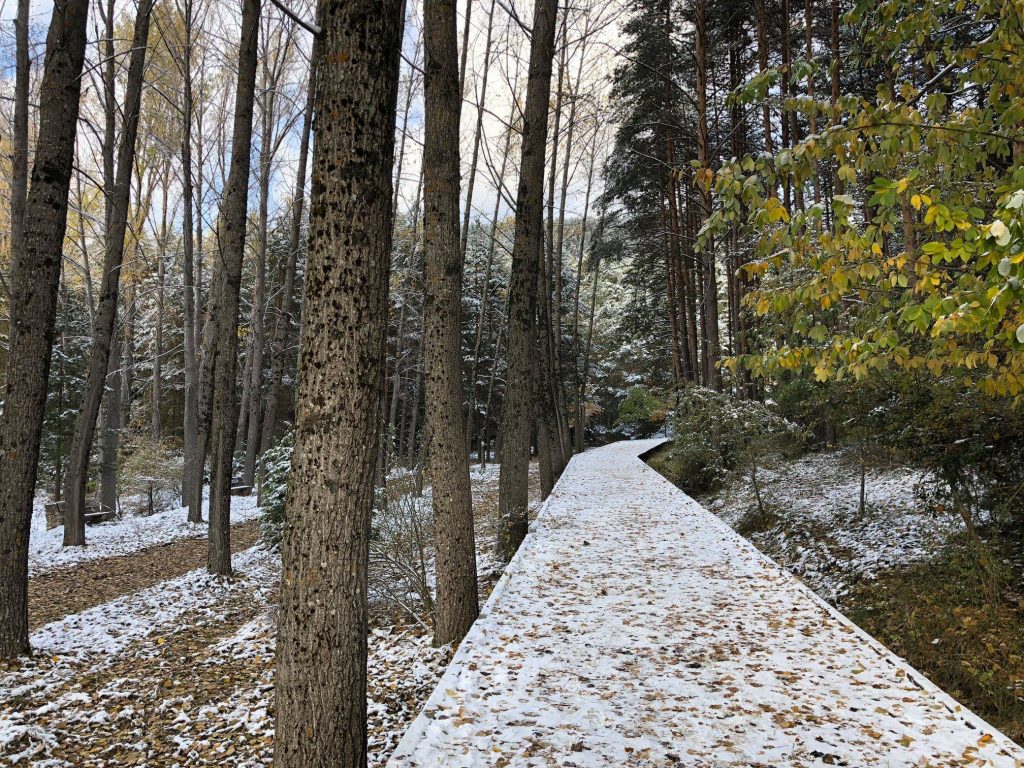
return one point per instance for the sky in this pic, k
(507, 65)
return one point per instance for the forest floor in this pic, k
(125, 536)
(160, 664)
(635, 628)
(906, 573)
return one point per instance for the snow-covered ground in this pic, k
(813, 526)
(181, 673)
(635, 628)
(112, 676)
(120, 537)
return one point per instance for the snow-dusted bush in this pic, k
(717, 434)
(149, 473)
(400, 548)
(641, 413)
(273, 487)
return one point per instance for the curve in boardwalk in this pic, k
(634, 628)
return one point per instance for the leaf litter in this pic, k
(670, 640)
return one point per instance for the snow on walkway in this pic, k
(635, 628)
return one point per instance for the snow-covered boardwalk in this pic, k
(634, 628)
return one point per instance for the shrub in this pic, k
(641, 413)
(149, 469)
(276, 466)
(716, 434)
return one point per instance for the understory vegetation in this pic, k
(921, 547)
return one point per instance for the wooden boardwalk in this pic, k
(634, 628)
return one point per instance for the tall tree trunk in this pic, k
(577, 429)
(157, 391)
(19, 140)
(709, 309)
(481, 318)
(128, 356)
(110, 435)
(34, 304)
(227, 282)
(518, 408)
(812, 117)
(242, 430)
(787, 137)
(673, 314)
(551, 457)
(457, 605)
(478, 132)
(761, 16)
(322, 630)
(464, 56)
(106, 311)
(581, 400)
(258, 329)
(286, 308)
(189, 426)
(838, 183)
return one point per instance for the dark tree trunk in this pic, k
(19, 140)
(457, 605)
(518, 409)
(227, 282)
(761, 16)
(286, 308)
(34, 305)
(188, 268)
(787, 138)
(106, 310)
(322, 630)
(110, 436)
(709, 304)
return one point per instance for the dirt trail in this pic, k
(58, 593)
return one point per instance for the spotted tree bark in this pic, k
(447, 460)
(528, 247)
(223, 363)
(321, 646)
(34, 307)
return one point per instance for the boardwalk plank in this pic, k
(634, 628)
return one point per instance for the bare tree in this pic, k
(322, 630)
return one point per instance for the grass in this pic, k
(660, 459)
